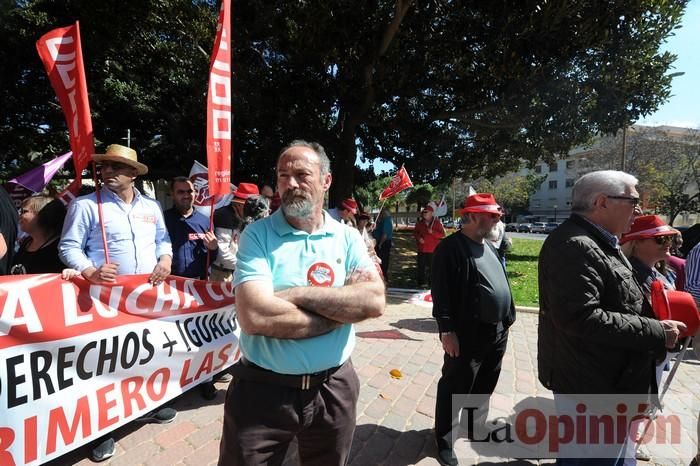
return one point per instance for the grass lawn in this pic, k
(521, 266)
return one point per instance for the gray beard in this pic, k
(298, 209)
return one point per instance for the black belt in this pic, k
(246, 370)
(220, 269)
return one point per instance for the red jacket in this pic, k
(431, 233)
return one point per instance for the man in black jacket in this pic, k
(597, 331)
(473, 307)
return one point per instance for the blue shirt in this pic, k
(384, 227)
(692, 273)
(187, 237)
(136, 233)
(272, 250)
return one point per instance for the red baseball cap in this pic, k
(245, 190)
(648, 226)
(428, 209)
(482, 203)
(350, 205)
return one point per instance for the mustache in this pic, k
(294, 195)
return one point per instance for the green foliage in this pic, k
(451, 89)
(522, 271)
(420, 195)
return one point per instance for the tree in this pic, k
(450, 89)
(512, 191)
(666, 161)
(446, 88)
(146, 65)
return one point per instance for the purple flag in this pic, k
(35, 179)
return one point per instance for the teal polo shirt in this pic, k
(272, 250)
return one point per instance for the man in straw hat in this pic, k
(301, 281)
(597, 333)
(228, 221)
(473, 306)
(137, 241)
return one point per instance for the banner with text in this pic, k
(78, 360)
(219, 106)
(62, 55)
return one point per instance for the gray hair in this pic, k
(318, 149)
(591, 185)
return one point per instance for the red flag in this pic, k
(219, 107)
(61, 53)
(399, 182)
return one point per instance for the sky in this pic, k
(683, 109)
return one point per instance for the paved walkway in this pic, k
(395, 416)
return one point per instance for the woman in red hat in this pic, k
(646, 245)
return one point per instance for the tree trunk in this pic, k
(343, 166)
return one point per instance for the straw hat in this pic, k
(121, 154)
(244, 191)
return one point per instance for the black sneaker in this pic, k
(208, 390)
(446, 457)
(104, 448)
(159, 416)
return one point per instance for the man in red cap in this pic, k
(428, 233)
(597, 334)
(227, 228)
(473, 306)
(345, 213)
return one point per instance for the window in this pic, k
(569, 182)
(553, 167)
(553, 184)
(569, 164)
(538, 169)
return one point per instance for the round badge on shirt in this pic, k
(320, 274)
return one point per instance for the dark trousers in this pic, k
(474, 372)
(260, 421)
(425, 267)
(383, 254)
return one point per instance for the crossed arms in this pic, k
(304, 312)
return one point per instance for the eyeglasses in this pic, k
(632, 200)
(666, 239)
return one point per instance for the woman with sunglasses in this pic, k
(41, 218)
(647, 245)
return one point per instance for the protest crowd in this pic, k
(112, 307)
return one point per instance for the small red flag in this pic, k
(61, 53)
(219, 107)
(399, 182)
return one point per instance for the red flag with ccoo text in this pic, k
(219, 107)
(61, 53)
(399, 182)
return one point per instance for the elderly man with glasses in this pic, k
(597, 332)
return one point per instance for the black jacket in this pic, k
(597, 332)
(455, 286)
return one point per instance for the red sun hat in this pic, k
(648, 226)
(245, 190)
(675, 305)
(482, 203)
(428, 209)
(349, 204)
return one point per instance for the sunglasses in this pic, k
(632, 200)
(667, 239)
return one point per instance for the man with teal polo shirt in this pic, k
(302, 279)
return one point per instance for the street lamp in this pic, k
(555, 212)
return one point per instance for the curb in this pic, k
(528, 310)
